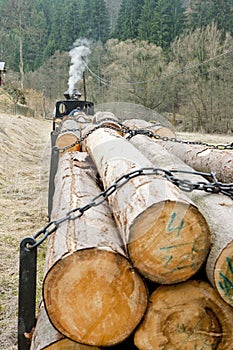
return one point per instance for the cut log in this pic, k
(167, 238)
(92, 294)
(219, 266)
(67, 138)
(106, 118)
(156, 128)
(103, 119)
(199, 157)
(202, 158)
(187, 316)
(46, 337)
(101, 116)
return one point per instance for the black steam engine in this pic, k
(71, 105)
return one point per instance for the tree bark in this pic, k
(167, 238)
(156, 128)
(205, 159)
(200, 158)
(190, 315)
(219, 265)
(101, 116)
(47, 337)
(67, 138)
(91, 292)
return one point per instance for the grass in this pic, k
(23, 142)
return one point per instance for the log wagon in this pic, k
(139, 243)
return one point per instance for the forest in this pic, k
(172, 56)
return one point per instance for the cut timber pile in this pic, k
(101, 266)
(218, 266)
(88, 278)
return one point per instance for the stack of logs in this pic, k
(150, 267)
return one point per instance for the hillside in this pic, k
(24, 146)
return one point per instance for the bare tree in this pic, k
(203, 58)
(17, 16)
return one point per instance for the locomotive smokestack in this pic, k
(75, 95)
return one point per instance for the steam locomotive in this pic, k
(70, 105)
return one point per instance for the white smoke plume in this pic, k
(78, 54)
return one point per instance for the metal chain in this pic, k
(102, 123)
(185, 185)
(133, 132)
(150, 133)
(81, 139)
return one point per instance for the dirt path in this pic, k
(24, 149)
(24, 166)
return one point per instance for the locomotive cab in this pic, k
(71, 105)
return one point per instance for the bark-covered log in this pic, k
(91, 292)
(67, 138)
(101, 116)
(217, 210)
(202, 158)
(166, 236)
(190, 315)
(46, 337)
(199, 157)
(156, 128)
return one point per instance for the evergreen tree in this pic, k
(169, 19)
(200, 14)
(73, 22)
(128, 19)
(70, 24)
(35, 44)
(113, 7)
(57, 26)
(85, 18)
(145, 28)
(94, 20)
(100, 21)
(223, 15)
(203, 12)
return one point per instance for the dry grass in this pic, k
(24, 146)
(24, 150)
(214, 139)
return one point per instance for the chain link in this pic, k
(185, 185)
(133, 132)
(150, 133)
(81, 139)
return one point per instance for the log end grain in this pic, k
(94, 297)
(169, 242)
(46, 337)
(67, 139)
(223, 274)
(66, 344)
(190, 315)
